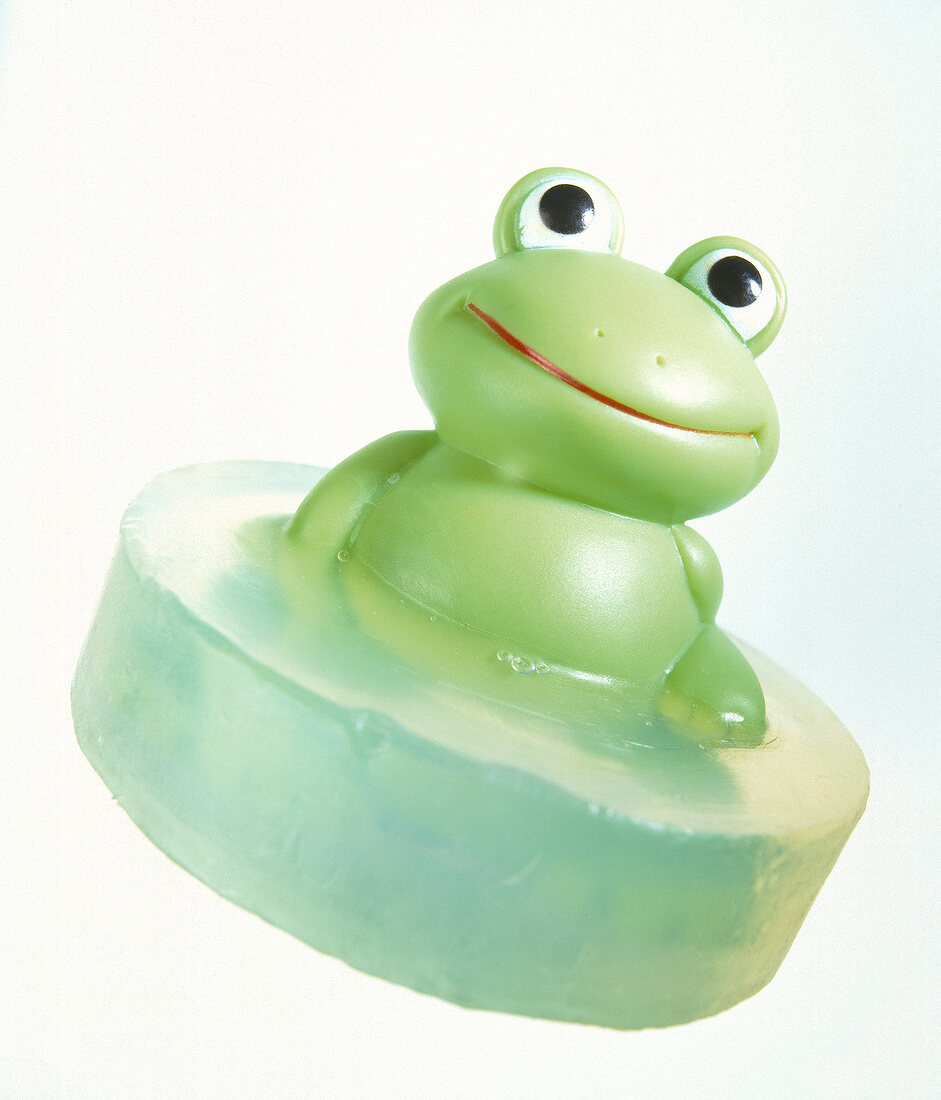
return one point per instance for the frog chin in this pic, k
(671, 476)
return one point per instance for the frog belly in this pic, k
(569, 584)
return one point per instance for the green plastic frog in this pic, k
(585, 408)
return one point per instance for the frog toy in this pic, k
(457, 710)
(585, 407)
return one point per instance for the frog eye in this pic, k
(558, 208)
(740, 282)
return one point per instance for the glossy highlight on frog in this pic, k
(585, 408)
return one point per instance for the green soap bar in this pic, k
(580, 860)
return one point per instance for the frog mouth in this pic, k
(570, 380)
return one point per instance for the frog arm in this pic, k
(712, 690)
(702, 570)
(335, 509)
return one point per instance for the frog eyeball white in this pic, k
(740, 282)
(570, 213)
(558, 208)
(737, 286)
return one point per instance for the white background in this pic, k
(216, 221)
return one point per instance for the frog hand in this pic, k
(713, 694)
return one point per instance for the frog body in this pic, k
(585, 408)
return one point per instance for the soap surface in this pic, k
(585, 865)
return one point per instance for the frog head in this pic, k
(596, 378)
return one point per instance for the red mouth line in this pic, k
(570, 380)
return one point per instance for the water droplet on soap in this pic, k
(523, 665)
(504, 655)
(366, 738)
(344, 555)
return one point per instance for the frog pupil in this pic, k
(734, 281)
(566, 208)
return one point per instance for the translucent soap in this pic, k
(503, 841)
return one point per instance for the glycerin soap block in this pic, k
(450, 842)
